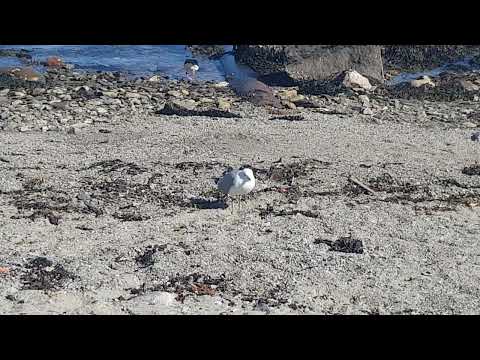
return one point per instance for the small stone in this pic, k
(162, 299)
(468, 85)
(174, 93)
(102, 111)
(155, 78)
(221, 84)
(475, 98)
(297, 98)
(55, 61)
(4, 92)
(185, 92)
(423, 80)
(223, 104)
(19, 94)
(44, 128)
(38, 91)
(76, 128)
(58, 91)
(287, 94)
(367, 111)
(289, 104)
(206, 100)
(353, 79)
(83, 196)
(469, 124)
(111, 94)
(132, 95)
(17, 102)
(23, 128)
(475, 136)
(364, 100)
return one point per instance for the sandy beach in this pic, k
(115, 211)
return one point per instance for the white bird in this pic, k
(237, 182)
(191, 67)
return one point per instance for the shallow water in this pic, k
(465, 64)
(146, 60)
(139, 60)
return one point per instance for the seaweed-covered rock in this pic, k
(412, 58)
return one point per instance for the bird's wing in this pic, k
(226, 182)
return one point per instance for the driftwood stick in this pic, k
(362, 185)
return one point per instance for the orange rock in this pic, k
(4, 270)
(55, 61)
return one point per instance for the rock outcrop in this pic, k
(412, 58)
(286, 65)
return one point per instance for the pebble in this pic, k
(221, 84)
(155, 78)
(367, 111)
(476, 136)
(469, 124)
(364, 100)
(17, 102)
(174, 93)
(469, 86)
(111, 94)
(4, 92)
(132, 95)
(102, 111)
(206, 100)
(297, 98)
(223, 104)
(23, 128)
(289, 104)
(287, 94)
(38, 91)
(185, 92)
(19, 94)
(424, 80)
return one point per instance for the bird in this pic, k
(237, 182)
(191, 67)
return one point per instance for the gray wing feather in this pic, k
(226, 182)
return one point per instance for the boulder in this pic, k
(255, 91)
(287, 65)
(211, 51)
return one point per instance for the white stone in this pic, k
(354, 79)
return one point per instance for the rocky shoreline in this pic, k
(65, 100)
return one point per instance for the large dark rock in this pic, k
(413, 58)
(211, 51)
(286, 65)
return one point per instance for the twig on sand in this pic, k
(362, 185)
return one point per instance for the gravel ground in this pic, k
(123, 218)
(363, 205)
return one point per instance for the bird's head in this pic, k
(247, 170)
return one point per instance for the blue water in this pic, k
(137, 60)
